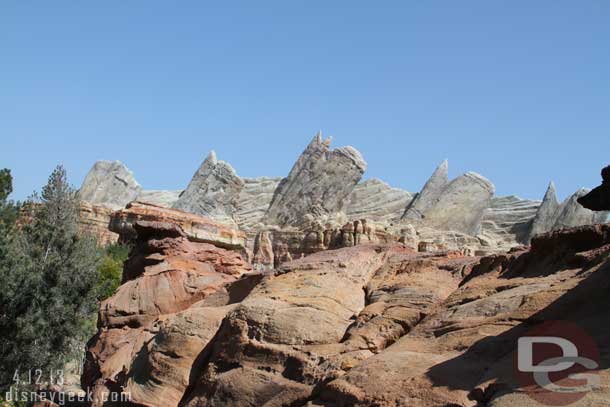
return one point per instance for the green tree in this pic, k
(49, 281)
(111, 269)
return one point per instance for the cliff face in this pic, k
(367, 324)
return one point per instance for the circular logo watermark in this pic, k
(556, 363)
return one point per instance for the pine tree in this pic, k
(48, 281)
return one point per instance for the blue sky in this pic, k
(518, 91)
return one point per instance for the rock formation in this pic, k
(456, 206)
(599, 198)
(213, 191)
(317, 186)
(322, 193)
(369, 324)
(461, 205)
(194, 227)
(148, 329)
(508, 220)
(429, 194)
(573, 214)
(110, 184)
(95, 220)
(552, 216)
(165, 198)
(545, 217)
(253, 201)
(375, 200)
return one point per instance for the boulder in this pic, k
(317, 186)
(110, 184)
(213, 191)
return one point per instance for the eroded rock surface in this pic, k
(317, 186)
(366, 325)
(213, 192)
(110, 184)
(552, 215)
(457, 205)
(375, 200)
(254, 200)
(508, 220)
(174, 294)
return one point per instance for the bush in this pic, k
(111, 269)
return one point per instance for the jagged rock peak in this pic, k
(573, 214)
(431, 191)
(317, 185)
(546, 215)
(461, 205)
(110, 184)
(213, 191)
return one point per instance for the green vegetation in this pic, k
(49, 280)
(111, 269)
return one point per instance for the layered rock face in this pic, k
(110, 184)
(552, 215)
(508, 220)
(163, 198)
(213, 191)
(176, 286)
(317, 186)
(323, 193)
(375, 200)
(253, 201)
(95, 220)
(456, 206)
(370, 324)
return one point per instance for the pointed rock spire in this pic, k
(546, 215)
(318, 184)
(213, 191)
(431, 191)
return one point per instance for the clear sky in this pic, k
(518, 91)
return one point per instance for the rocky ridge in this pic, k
(370, 323)
(324, 193)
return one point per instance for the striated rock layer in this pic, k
(508, 220)
(370, 324)
(375, 200)
(176, 289)
(110, 184)
(552, 215)
(317, 186)
(213, 191)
